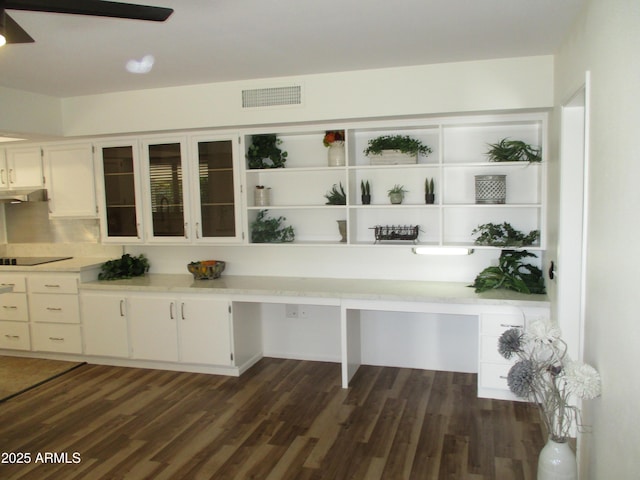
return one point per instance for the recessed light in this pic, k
(140, 66)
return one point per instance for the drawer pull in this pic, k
(8, 284)
(54, 309)
(51, 285)
(9, 307)
(503, 377)
(15, 337)
(504, 325)
(56, 339)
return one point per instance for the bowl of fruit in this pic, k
(206, 269)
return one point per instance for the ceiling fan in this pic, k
(11, 32)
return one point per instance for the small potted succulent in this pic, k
(429, 191)
(336, 196)
(365, 188)
(396, 194)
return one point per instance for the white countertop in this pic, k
(360, 289)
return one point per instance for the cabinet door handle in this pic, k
(122, 307)
(186, 230)
(12, 176)
(198, 230)
(171, 306)
(138, 230)
(2, 177)
(182, 310)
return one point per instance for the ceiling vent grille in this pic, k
(270, 97)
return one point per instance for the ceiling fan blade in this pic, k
(97, 8)
(14, 33)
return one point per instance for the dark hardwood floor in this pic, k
(283, 419)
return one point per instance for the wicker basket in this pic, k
(491, 189)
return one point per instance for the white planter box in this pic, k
(393, 157)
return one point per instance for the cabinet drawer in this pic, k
(14, 335)
(54, 308)
(496, 323)
(57, 338)
(18, 282)
(53, 284)
(493, 375)
(13, 306)
(489, 351)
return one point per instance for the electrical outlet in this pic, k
(303, 311)
(291, 311)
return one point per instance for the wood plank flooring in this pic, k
(283, 419)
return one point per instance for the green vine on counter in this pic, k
(125, 267)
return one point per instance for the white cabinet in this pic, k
(191, 189)
(21, 168)
(459, 146)
(119, 192)
(104, 322)
(14, 314)
(54, 312)
(189, 329)
(493, 368)
(70, 180)
(204, 330)
(153, 327)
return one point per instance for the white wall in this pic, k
(25, 113)
(503, 84)
(605, 41)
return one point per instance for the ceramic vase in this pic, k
(557, 461)
(336, 155)
(342, 228)
(262, 197)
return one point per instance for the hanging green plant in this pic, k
(513, 151)
(503, 235)
(264, 152)
(270, 230)
(511, 274)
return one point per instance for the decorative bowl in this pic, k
(206, 269)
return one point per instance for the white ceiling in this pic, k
(207, 41)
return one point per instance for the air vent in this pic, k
(270, 97)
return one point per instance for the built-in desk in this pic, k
(488, 313)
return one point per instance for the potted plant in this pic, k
(270, 230)
(429, 191)
(365, 189)
(511, 273)
(262, 196)
(397, 148)
(503, 235)
(396, 194)
(513, 151)
(334, 140)
(264, 152)
(336, 195)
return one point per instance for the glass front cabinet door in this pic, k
(119, 194)
(215, 191)
(166, 205)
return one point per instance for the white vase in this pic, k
(335, 155)
(557, 461)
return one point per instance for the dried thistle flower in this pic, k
(510, 342)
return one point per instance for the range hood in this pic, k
(23, 195)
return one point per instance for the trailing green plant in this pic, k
(403, 143)
(503, 235)
(429, 187)
(511, 273)
(513, 151)
(264, 152)
(365, 188)
(336, 195)
(266, 229)
(126, 266)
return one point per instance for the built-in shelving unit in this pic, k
(459, 146)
